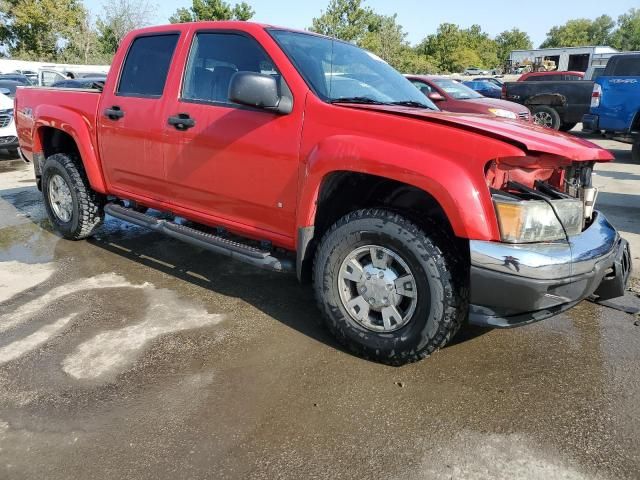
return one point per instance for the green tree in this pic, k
(347, 20)
(627, 36)
(453, 49)
(39, 29)
(204, 10)
(510, 40)
(581, 32)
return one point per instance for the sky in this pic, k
(422, 17)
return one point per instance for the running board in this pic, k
(236, 250)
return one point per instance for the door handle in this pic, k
(182, 121)
(113, 113)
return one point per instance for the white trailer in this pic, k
(567, 59)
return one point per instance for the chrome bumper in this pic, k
(549, 261)
(517, 284)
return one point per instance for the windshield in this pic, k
(456, 90)
(341, 72)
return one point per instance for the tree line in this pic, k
(65, 31)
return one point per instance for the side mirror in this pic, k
(261, 91)
(435, 97)
(5, 91)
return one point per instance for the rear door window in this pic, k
(147, 65)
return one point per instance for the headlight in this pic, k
(499, 112)
(530, 221)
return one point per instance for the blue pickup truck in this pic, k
(615, 102)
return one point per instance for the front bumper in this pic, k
(514, 285)
(9, 141)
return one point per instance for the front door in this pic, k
(234, 164)
(131, 121)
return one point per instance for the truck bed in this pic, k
(46, 104)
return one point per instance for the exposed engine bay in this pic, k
(534, 196)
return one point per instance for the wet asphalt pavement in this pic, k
(135, 356)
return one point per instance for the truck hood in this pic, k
(530, 137)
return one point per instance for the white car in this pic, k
(8, 133)
(475, 71)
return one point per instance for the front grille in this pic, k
(5, 120)
(6, 140)
(523, 116)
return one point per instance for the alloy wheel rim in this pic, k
(377, 288)
(543, 118)
(60, 198)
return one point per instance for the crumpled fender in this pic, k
(458, 187)
(81, 129)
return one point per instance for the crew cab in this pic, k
(615, 102)
(296, 152)
(555, 104)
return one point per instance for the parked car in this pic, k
(615, 101)
(496, 81)
(10, 86)
(475, 71)
(559, 105)
(8, 134)
(452, 96)
(30, 74)
(408, 220)
(486, 89)
(85, 82)
(16, 77)
(553, 76)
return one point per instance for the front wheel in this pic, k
(74, 209)
(388, 290)
(546, 117)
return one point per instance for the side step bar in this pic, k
(236, 250)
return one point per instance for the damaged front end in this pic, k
(541, 199)
(555, 249)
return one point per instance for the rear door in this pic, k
(131, 121)
(235, 165)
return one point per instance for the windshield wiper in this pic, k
(410, 103)
(363, 100)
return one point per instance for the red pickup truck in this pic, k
(312, 155)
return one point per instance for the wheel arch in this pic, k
(343, 191)
(59, 130)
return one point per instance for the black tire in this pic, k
(87, 205)
(566, 127)
(635, 151)
(440, 277)
(550, 115)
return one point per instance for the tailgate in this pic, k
(619, 102)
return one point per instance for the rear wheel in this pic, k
(387, 289)
(635, 150)
(546, 117)
(74, 209)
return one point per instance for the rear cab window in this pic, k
(146, 66)
(623, 66)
